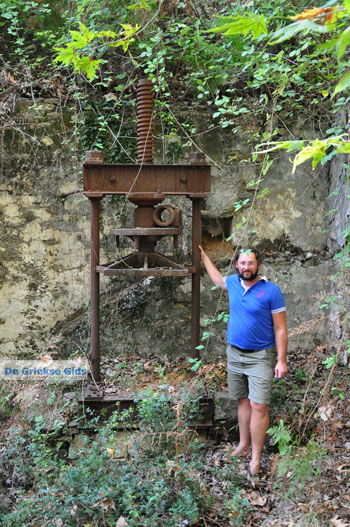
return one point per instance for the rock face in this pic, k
(44, 267)
(338, 235)
(42, 239)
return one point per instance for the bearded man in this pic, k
(256, 328)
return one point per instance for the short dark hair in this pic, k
(248, 249)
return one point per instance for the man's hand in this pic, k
(214, 274)
(203, 254)
(281, 369)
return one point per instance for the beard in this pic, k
(249, 276)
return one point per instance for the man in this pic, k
(257, 324)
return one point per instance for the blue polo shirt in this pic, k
(250, 325)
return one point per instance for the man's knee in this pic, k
(262, 409)
(244, 401)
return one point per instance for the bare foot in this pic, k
(240, 451)
(254, 468)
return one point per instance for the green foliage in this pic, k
(304, 464)
(100, 488)
(86, 40)
(330, 361)
(6, 406)
(336, 392)
(243, 25)
(155, 410)
(156, 483)
(111, 42)
(14, 12)
(238, 205)
(240, 225)
(330, 21)
(301, 463)
(301, 376)
(303, 26)
(329, 301)
(222, 316)
(316, 150)
(279, 394)
(343, 256)
(281, 436)
(206, 335)
(195, 363)
(323, 20)
(143, 4)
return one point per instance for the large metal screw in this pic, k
(144, 121)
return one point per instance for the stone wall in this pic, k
(44, 246)
(44, 267)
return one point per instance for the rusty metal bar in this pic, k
(95, 290)
(196, 240)
(145, 272)
(146, 231)
(134, 264)
(147, 179)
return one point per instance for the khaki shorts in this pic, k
(250, 374)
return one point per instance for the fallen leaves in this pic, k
(172, 467)
(47, 141)
(255, 498)
(338, 522)
(105, 504)
(322, 14)
(326, 412)
(121, 522)
(345, 466)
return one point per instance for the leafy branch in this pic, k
(315, 149)
(86, 41)
(327, 19)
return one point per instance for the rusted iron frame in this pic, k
(188, 180)
(162, 266)
(95, 290)
(151, 271)
(196, 240)
(132, 182)
(158, 257)
(96, 269)
(146, 231)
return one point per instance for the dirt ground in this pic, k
(307, 486)
(313, 403)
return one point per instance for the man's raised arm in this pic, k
(213, 273)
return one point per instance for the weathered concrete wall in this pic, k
(42, 248)
(44, 267)
(44, 239)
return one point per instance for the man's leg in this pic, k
(259, 423)
(244, 418)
